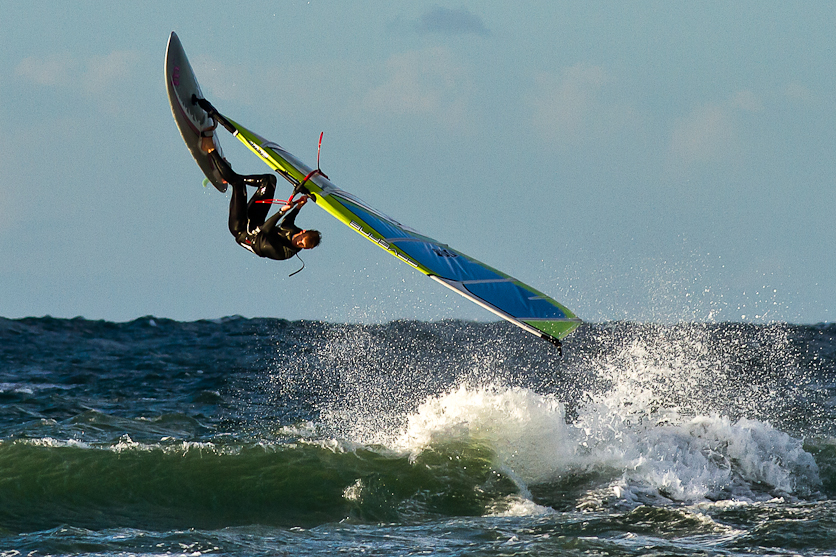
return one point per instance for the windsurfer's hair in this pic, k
(315, 237)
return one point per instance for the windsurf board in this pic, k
(182, 87)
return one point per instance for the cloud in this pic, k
(746, 101)
(570, 107)
(706, 134)
(56, 70)
(445, 21)
(103, 73)
(563, 102)
(421, 82)
(709, 133)
(800, 93)
(103, 78)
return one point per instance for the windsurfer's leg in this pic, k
(266, 184)
(238, 209)
(225, 170)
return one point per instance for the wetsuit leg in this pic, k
(257, 212)
(238, 210)
(224, 169)
(238, 202)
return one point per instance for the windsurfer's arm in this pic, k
(286, 214)
(289, 213)
(271, 222)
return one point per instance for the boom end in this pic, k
(555, 341)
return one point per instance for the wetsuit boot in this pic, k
(226, 172)
(213, 113)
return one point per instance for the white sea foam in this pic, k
(53, 443)
(642, 455)
(30, 388)
(526, 431)
(665, 418)
(514, 505)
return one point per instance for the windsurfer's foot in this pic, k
(207, 142)
(205, 105)
(213, 113)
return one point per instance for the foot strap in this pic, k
(213, 113)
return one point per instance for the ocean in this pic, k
(270, 437)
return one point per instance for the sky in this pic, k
(648, 161)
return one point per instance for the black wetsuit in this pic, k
(265, 238)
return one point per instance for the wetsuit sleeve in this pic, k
(276, 242)
(289, 220)
(270, 223)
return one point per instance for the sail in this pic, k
(495, 291)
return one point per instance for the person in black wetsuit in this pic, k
(275, 238)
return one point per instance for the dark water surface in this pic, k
(268, 437)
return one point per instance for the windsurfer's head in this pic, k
(307, 239)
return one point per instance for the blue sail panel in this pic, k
(515, 300)
(438, 258)
(445, 262)
(386, 227)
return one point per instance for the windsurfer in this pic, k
(275, 238)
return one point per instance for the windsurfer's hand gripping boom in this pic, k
(291, 204)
